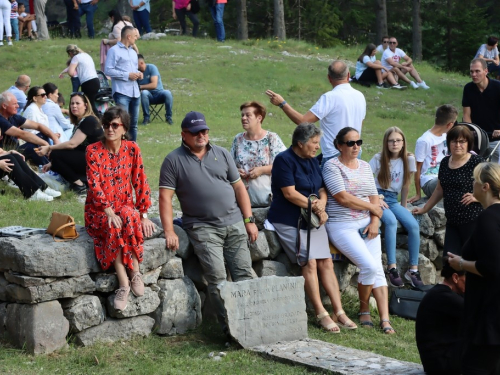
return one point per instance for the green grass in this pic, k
(213, 79)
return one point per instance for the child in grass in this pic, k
(393, 169)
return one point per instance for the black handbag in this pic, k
(405, 302)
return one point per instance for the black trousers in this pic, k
(456, 236)
(90, 88)
(73, 19)
(181, 16)
(70, 164)
(481, 360)
(23, 176)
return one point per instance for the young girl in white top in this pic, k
(393, 169)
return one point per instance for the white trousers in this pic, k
(5, 19)
(366, 254)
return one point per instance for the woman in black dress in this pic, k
(481, 261)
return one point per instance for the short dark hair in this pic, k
(125, 31)
(339, 139)
(304, 132)
(116, 112)
(385, 37)
(445, 114)
(492, 40)
(139, 57)
(49, 88)
(259, 108)
(447, 271)
(458, 132)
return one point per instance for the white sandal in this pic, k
(352, 325)
(329, 327)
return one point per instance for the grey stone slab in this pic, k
(157, 232)
(428, 248)
(426, 225)
(113, 330)
(172, 269)
(270, 268)
(152, 276)
(260, 215)
(344, 272)
(62, 288)
(438, 217)
(23, 280)
(259, 249)
(180, 307)
(136, 305)
(439, 235)
(3, 319)
(4, 296)
(155, 255)
(259, 310)
(105, 282)
(335, 359)
(39, 329)
(273, 243)
(83, 312)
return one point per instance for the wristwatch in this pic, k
(144, 215)
(250, 219)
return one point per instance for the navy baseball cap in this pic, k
(194, 122)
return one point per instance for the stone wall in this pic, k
(49, 289)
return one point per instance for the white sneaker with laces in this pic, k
(41, 196)
(9, 43)
(52, 193)
(414, 85)
(423, 85)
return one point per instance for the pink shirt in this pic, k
(221, 1)
(180, 4)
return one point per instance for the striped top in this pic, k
(358, 182)
(13, 10)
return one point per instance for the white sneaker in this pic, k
(423, 85)
(9, 43)
(41, 196)
(1, 43)
(52, 193)
(398, 87)
(414, 85)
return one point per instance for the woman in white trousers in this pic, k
(5, 21)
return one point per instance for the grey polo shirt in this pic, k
(204, 187)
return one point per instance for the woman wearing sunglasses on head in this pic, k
(68, 158)
(117, 225)
(354, 212)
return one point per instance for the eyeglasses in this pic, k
(359, 142)
(202, 132)
(76, 93)
(42, 94)
(114, 125)
(395, 141)
(392, 42)
(459, 141)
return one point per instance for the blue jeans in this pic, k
(75, 84)
(28, 150)
(131, 105)
(390, 219)
(14, 23)
(89, 11)
(157, 97)
(141, 19)
(218, 17)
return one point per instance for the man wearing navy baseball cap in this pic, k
(216, 211)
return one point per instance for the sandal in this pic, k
(349, 324)
(387, 330)
(365, 323)
(330, 327)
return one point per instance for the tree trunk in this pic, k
(124, 8)
(241, 6)
(417, 31)
(279, 20)
(381, 12)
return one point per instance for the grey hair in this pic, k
(338, 70)
(304, 132)
(5, 97)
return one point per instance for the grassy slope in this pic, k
(215, 80)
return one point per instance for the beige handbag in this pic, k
(62, 226)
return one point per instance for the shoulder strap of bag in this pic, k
(308, 241)
(61, 228)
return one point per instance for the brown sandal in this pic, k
(348, 325)
(329, 327)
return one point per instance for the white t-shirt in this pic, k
(361, 67)
(33, 22)
(430, 150)
(85, 68)
(485, 53)
(343, 106)
(397, 171)
(395, 56)
(380, 48)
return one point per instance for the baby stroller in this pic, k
(481, 141)
(104, 97)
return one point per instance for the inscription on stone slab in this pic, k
(265, 310)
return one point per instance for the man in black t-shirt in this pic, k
(11, 125)
(481, 103)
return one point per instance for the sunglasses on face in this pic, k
(392, 42)
(202, 132)
(359, 142)
(385, 41)
(42, 94)
(114, 125)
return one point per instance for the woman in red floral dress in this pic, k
(117, 225)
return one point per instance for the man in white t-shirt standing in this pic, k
(341, 107)
(430, 149)
(391, 61)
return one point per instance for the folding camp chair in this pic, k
(155, 111)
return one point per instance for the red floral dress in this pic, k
(111, 178)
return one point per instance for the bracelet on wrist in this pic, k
(461, 264)
(282, 104)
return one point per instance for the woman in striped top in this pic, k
(354, 212)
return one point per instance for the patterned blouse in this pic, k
(250, 154)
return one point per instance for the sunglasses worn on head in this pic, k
(76, 93)
(114, 125)
(359, 142)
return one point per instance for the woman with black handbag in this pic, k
(296, 180)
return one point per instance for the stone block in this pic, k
(438, 217)
(180, 307)
(152, 276)
(62, 288)
(260, 215)
(39, 329)
(3, 319)
(259, 249)
(23, 280)
(273, 243)
(113, 330)
(83, 312)
(158, 232)
(428, 248)
(105, 282)
(185, 249)
(269, 268)
(172, 269)
(39, 255)
(439, 235)
(426, 225)
(292, 268)
(193, 270)
(155, 255)
(438, 263)
(344, 272)
(402, 241)
(136, 305)
(4, 296)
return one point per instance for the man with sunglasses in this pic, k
(21, 86)
(216, 211)
(391, 62)
(385, 43)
